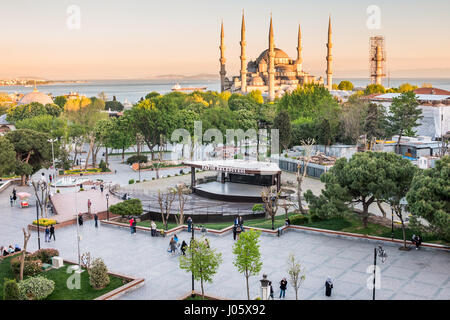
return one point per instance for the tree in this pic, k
(165, 201)
(7, 157)
(202, 261)
(131, 207)
(296, 273)
(182, 192)
(405, 87)
(306, 101)
(270, 197)
(308, 149)
(282, 122)
(247, 255)
(404, 113)
(428, 198)
(42, 191)
(98, 274)
(114, 105)
(375, 122)
(399, 173)
(10, 290)
(256, 96)
(351, 121)
(56, 128)
(359, 180)
(121, 135)
(60, 101)
(374, 88)
(31, 110)
(345, 85)
(26, 237)
(33, 151)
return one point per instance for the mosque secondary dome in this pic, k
(35, 96)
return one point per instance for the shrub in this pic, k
(45, 255)
(98, 274)
(35, 288)
(10, 290)
(102, 166)
(81, 189)
(131, 181)
(153, 178)
(137, 159)
(57, 191)
(181, 171)
(258, 207)
(132, 207)
(32, 266)
(315, 218)
(299, 219)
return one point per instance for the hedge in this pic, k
(132, 207)
(299, 219)
(137, 159)
(35, 288)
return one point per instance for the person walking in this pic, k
(131, 225)
(234, 232)
(283, 286)
(328, 286)
(50, 178)
(134, 225)
(101, 187)
(183, 248)
(80, 219)
(52, 233)
(241, 223)
(271, 290)
(47, 234)
(11, 200)
(153, 228)
(96, 219)
(189, 223)
(14, 195)
(89, 204)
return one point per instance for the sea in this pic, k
(133, 90)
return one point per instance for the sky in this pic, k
(145, 38)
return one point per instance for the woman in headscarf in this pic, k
(328, 286)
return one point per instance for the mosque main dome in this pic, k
(36, 96)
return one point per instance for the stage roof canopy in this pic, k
(236, 166)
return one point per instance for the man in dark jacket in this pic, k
(52, 233)
(328, 286)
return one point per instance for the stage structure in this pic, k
(237, 180)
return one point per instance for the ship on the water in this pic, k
(177, 87)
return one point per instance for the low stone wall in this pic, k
(8, 183)
(281, 230)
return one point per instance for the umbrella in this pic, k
(22, 195)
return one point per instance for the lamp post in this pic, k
(37, 218)
(53, 160)
(166, 204)
(107, 206)
(192, 258)
(392, 224)
(382, 253)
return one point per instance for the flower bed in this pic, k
(44, 222)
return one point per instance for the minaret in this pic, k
(379, 66)
(299, 50)
(329, 58)
(243, 59)
(222, 60)
(271, 63)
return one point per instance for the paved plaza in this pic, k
(422, 274)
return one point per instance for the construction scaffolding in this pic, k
(377, 60)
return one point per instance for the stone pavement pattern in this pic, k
(405, 275)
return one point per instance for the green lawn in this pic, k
(60, 277)
(351, 223)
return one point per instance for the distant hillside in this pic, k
(185, 77)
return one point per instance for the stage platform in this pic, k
(229, 191)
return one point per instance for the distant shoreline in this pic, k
(31, 83)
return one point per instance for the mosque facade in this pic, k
(273, 72)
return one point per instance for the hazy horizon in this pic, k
(132, 39)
